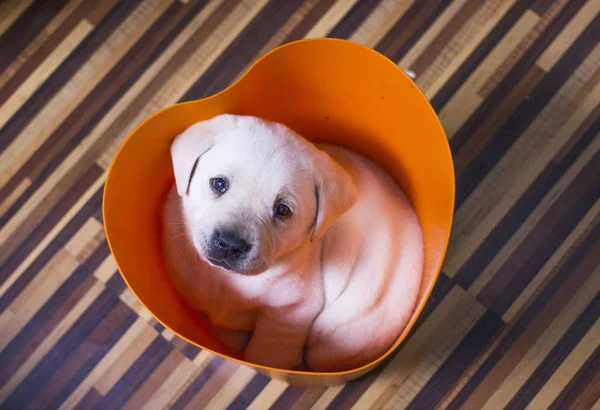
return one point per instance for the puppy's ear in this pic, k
(335, 193)
(191, 144)
(186, 150)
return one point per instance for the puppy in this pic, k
(302, 257)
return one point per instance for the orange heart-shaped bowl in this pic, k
(327, 90)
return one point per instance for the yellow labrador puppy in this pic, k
(302, 257)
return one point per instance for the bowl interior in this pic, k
(327, 90)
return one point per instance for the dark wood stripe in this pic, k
(99, 10)
(63, 74)
(86, 342)
(468, 143)
(154, 381)
(479, 54)
(179, 343)
(44, 50)
(354, 18)
(289, 396)
(98, 216)
(442, 287)
(90, 400)
(61, 239)
(247, 396)
(159, 328)
(556, 357)
(199, 381)
(136, 375)
(190, 351)
(243, 49)
(545, 307)
(543, 240)
(116, 283)
(463, 356)
(353, 390)
(583, 390)
(527, 112)
(50, 314)
(541, 6)
(524, 68)
(313, 16)
(519, 212)
(26, 28)
(410, 27)
(433, 50)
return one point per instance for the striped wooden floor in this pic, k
(514, 320)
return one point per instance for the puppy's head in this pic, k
(253, 191)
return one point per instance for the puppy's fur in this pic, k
(329, 287)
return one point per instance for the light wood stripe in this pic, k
(591, 219)
(463, 246)
(50, 341)
(232, 388)
(10, 10)
(132, 301)
(365, 34)
(432, 90)
(524, 46)
(35, 294)
(38, 42)
(14, 195)
(106, 269)
(444, 19)
(108, 361)
(50, 236)
(520, 235)
(330, 19)
(566, 38)
(165, 393)
(293, 22)
(394, 13)
(77, 245)
(268, 395)
(326, 398)
(462, 321)
(43, 71)
(63, 103)
(125, 359)
(466, 100)
(568, 369)
(545, 343)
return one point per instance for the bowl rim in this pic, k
(448, 227)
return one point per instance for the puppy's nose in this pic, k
(231, 241)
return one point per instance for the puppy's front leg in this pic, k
(278, 343)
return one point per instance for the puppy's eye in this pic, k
(219, 185)
(282, 211)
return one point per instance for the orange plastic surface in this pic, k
(327, 90)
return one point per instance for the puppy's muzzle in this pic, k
(228, 248)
